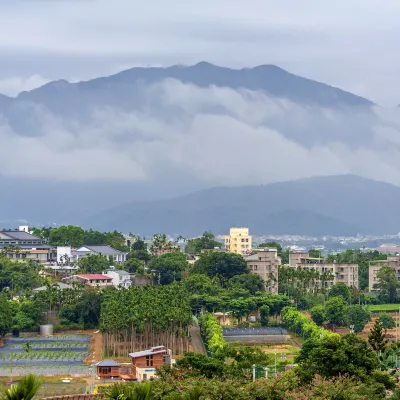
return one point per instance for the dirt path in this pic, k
(96, 348)
(197, 342)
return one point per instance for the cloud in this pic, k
(318, 39)
(14, 85)
(218, 136)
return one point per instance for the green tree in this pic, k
(314, 253)
(340, 289)
(223, 266)
(5, 316)
(335, 309)
(387, 321)
(333, 355)
(318, 314)
(67, 236)
(93, 263)
(169, 266)
(264, 314)
(357, 316)
(388, 283)
(253, 283)
(134, 265)
(377, 337)
(25, 389)
(205, 242)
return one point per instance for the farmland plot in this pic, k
(57, 355)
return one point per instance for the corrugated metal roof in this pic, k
(147, 352)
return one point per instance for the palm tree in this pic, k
(25, 389)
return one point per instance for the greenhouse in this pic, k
(255, 335)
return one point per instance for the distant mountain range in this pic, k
(336, 205)
(72, 150)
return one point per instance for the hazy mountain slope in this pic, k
(337, 205)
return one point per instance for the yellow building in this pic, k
(238, 241)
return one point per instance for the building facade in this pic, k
(265, 263)
(92, 280)
(339, 272)
(20, 245)
(238, 241)
(144, 363)
(116, 256)
(392, 261)
(119, 278)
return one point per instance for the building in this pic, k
(59, 285)
(392, 261)
(144, 363)
(119, 278)
(107, 369)
(239, 241)
(255, 335)
(340, 272)
(92, 280)
(114, 255)
(21, 246)
(265, 263)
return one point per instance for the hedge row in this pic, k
(300, 324)
(213, 332)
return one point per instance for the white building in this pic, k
(107, 251)
(119, 278)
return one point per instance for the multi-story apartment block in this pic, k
(340, 272)
(265, 262)
(238, 241)
(392, 261)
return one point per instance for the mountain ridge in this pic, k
(277, 208)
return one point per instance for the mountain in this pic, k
(336, 205)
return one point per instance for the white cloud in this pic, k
(14, 85)
(218, 135)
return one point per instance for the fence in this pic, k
(76, 397)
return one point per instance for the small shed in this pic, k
(107, 369)
(255, 335)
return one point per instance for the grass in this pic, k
(383, 307)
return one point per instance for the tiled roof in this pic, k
(107, 363)
(104, 250)
(93, 276)
(20, 235)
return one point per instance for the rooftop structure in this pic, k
(116, 255)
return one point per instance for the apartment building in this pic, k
(392, 261)
(341, 272)
(265, 262)
(238, 241)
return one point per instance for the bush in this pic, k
(213, 332)
(318, 315)
(387, 321)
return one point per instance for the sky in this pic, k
(351, 44)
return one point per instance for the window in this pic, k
(149, 361)
(104, 370)
(255, 268)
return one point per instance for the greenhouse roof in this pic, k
(253, 331)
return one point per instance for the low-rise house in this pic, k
(59, 285)
(92, 280)
(107, 369)
(119, 277)
(21, 246)
(144, 363)
(116, 256)
(265, 263)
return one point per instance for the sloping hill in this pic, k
(336, 205)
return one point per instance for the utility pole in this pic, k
(254, 372)
(275, 361)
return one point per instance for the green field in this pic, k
(384, 307)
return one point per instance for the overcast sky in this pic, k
(347, 43)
